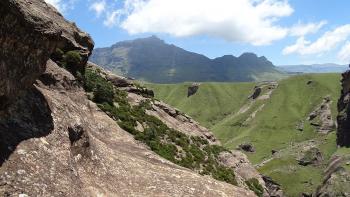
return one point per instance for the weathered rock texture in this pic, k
(53, 140)
(336, 181)
(321, 117)
(343, 120)
(30, 31)
(63, 145)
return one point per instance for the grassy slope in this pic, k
(274, 127)
(212, 102)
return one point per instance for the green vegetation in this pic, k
(255, 186)
(70, 60)
(210, 105)
(273, 127)
(102, 89)
(191, 152)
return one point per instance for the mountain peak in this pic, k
(152, 38)
(248, 55)
(152, 59)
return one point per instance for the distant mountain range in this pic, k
(314, 68)
(151, 59)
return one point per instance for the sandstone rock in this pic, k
(312, 156)
(192, 89)
(30, 32)
(274, 189)
(336, 179)
(321, 117)
(244, 171)
(69, 147)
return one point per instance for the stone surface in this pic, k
(55, 142)
(192, 89)
(343, 120)
(313, 156)
(256, 93)
(336, 181)
(30, 31)
(321, 117)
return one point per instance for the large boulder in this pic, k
(192, 89)
(55, 142)
(343, 120)
(30, 31)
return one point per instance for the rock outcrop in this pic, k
(313, 156)
(30, 32)
(343, 120)
(336, 179)
(54, 141)
(321, 118)
(58, 143)
(248, 147)
(192, 89)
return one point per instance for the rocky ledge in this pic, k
(54, 141)
(343, 120)
(30, 32)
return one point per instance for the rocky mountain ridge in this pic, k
(143, 57)
(55, 141)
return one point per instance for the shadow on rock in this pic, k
(29, 117)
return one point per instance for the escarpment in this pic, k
(57, 139)
(30, 32)
(343, 133)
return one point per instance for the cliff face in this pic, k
(54, 141)
(343, 132)
(63, 145)
(30, 32)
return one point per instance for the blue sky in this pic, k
(286, 32)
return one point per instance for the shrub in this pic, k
(102, 89)
(196, 153)
(72, 58)
(104, 93)
(57, 55)
(225, 174)
(255, 186)
(71, 61)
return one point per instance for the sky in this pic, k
(286, 32)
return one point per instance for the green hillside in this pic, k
(268, 124)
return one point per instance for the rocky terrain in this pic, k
(61, 135)
(286, 128)
(343, 134)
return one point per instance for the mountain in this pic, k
(69, 128)
(151, 59)
(281, 120)
(314, 68)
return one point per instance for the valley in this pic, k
(144, 117)
(276, 123)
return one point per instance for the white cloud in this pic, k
(62, 5)
(344, 53)
(327, 42)
(56, 3)
(98, 7)
(112, 18)
(301, 29)
(250, 21)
